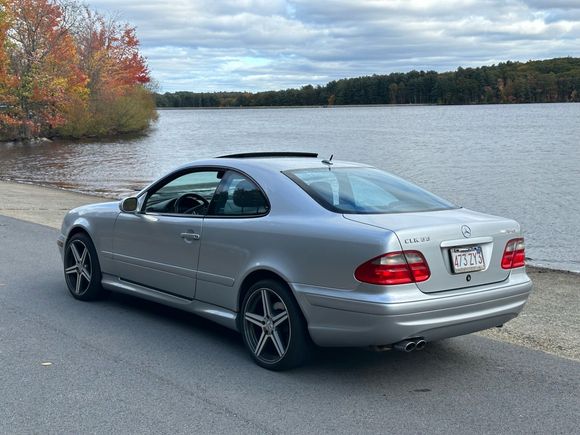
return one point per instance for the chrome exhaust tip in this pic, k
(405, 346)
(420, 344)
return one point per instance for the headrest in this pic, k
(247, 195)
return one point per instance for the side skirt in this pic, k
(214, 313)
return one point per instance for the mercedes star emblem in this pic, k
(466, 231)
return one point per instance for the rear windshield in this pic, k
(365, 191)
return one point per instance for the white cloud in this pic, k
(206, 45)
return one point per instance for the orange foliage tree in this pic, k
(8, 122)
(109, 55)
(65, 70)
(109, 52)
(43, 62)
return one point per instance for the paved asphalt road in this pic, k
(128, 366)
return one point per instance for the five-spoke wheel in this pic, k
(273, 327)
(81, 268)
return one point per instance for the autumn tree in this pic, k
(109, 55)
(8, 122)
(43, 61)
(68, 71)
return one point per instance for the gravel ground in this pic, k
(550, 321)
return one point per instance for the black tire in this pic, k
(291, 334)
(86, 269)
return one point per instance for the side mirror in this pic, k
(128, 205)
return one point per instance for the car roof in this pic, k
(274, 163)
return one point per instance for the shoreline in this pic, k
(312, 106)
(80, 139)
(550, 322)
(345, 106)
(40, 204)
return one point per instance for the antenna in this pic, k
(328, 161)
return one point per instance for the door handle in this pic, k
(188, 237)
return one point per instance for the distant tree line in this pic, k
(545, 81)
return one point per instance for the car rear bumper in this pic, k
(338, 318)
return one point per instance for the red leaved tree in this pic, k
(8, 121)
(68, 71)
(44, 63)
(109, 56)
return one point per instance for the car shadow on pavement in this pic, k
(179, 318)
(330, 361)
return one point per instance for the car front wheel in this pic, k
(273, 327)
(82, 271)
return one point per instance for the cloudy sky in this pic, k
(211, 45)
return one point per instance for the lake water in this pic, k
(519, 161)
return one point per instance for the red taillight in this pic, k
(514, 254)
(394, 268)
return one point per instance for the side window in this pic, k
(238, 196)
(188, 194)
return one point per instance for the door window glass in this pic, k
(188, 194)
(238, 196)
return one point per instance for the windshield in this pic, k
(365, 191)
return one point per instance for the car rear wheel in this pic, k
(273, 327)
(82, 271)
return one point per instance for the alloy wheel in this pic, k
(78, 267)
(267, 325)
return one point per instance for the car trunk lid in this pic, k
(435, 234)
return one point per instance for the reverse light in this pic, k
(402, 267)
(514, 254)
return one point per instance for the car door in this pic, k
(233, 230)
(158, 246)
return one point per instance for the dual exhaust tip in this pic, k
(410, 345)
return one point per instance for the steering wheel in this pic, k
(189, 203)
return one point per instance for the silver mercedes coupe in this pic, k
(290, 250)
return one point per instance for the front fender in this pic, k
(98, 221)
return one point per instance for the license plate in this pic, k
(467, 259)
